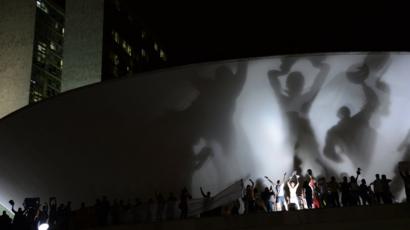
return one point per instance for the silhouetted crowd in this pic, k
(306, 192)
(293, 193)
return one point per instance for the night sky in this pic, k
(207, 32)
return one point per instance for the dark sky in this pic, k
(197, 33)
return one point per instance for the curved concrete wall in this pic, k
(210, 124)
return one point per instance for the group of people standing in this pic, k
(306, 192)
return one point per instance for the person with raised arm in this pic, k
(293, 197)
(280, 193)
(250, 197)
(270, 196)
(207, 202)
(405, 175)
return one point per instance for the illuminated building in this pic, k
(47, 50)
(105, 41)
(31, 44)
(127, 46)
(168, 129)
(52, 46)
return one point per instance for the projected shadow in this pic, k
(353, 136)
(404, 148)
(296, 105)
(208, 118)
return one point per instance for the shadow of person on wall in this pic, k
(216, 103)
(209, 117)
(353, 136)
(404, 148)
(296, 106)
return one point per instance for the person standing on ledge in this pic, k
(183, 203)
(292, 190)
(406, 179)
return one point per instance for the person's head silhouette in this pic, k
(295, 83)
(377, 62)
(377, 176)
(357, 73)
(343, 112)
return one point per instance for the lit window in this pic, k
(124, 44)
(128, 68)
(40, 57)
(42, 6)
(116, 59)
(129, 50)
(143, 52)
(155, 46)
(52, 46)
(61, 63)
(41, 47)
(162, 55)
(116, 37)
(62, 30)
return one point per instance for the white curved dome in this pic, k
(208, 125)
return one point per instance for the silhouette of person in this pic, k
(207, 202)
(20, 220)
(344, 189)
(377, 188)
(250, 199)
(364, 191)
(308, 194)
(208, 118)
(170, 208)
(5, 221)
(387, 196)
(215, 104)
(296, 105)
(353, 191)
(334, 192)
(266, 196)
(353, 136)
(404, 148)
(183, 202)
(406, 180)
(323, 192)
(53, 212)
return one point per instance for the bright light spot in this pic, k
(43, 226)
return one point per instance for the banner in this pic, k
(228, 195)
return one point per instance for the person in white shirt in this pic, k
(280, 193)
(293, 196)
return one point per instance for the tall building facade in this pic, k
(52, 46)
(48, 50)
(31, 39)
(104, 40)
(127, 46)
